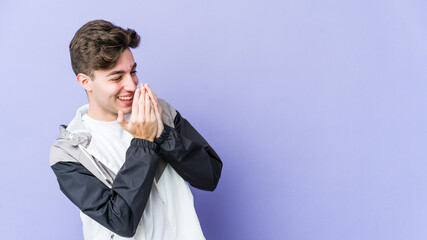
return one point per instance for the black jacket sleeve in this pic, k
(190, 154)
(121, 207)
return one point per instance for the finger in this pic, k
(155, 95)
(121, 120)
(154, 109)
(153, 115)
(136, 97)
(148, 105)
(156, 104)
(141, 104)
(157, 107)
(152, 93)
(158, 111)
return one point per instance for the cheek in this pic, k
(108, 93)
(114, 90)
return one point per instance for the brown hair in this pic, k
(98, 45)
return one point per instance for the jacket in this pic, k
(112, 203)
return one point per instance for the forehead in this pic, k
(125, 60)
(125, 63)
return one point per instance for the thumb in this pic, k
(121, 120)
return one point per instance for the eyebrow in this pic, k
(120, 71)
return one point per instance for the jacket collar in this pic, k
(76, 125)
(75, 132)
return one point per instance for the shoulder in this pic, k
(169, 112)
(58, 154)
(65, 149)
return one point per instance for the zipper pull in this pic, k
(109, 182)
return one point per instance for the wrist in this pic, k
(160, 131)
(140, 142)
(151, 139)
(164, 135)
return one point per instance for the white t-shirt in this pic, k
(109, 144)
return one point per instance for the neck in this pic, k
(99, 115)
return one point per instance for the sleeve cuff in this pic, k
(164, 136)
(138, 142)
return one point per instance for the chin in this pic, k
(126, 110)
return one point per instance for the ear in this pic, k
(85, 81)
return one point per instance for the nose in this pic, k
(129, 83)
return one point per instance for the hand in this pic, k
(157, 109)
(143, 122)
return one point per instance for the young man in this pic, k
(126, 157)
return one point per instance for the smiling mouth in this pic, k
(126, 98)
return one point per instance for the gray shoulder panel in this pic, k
(168, 114)
(59, 155)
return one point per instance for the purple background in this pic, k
(317, 108)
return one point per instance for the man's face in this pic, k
(113, 89)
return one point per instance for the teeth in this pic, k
(125, 98)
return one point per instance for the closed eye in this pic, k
(117, 79)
